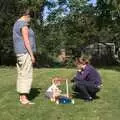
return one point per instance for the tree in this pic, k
(9, 11)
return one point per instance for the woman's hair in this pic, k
(27, 11)
(83, 60)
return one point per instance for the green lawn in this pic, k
(105, 108)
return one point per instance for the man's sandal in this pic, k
(26, 102)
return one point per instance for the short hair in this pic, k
(27, 11)
(84, 59)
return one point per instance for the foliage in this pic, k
(104, 108)
(71, 24)
(9, 12)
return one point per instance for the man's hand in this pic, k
(33, 59)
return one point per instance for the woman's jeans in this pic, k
(85, 89)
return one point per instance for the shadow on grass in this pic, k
(34, 93)
(80, 96)
(76, 95)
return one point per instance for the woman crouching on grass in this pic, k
(87, 79)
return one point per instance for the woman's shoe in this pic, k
(88, 99)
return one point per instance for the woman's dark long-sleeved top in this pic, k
(89, 74)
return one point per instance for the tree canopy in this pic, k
(69, 24)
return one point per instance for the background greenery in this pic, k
(105, 108)
(83, 25)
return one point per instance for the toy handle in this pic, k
(67, 89)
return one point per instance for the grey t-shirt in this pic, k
(18, 42)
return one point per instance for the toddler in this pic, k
(53, 92)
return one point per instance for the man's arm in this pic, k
(25, 34)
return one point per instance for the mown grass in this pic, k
(105, 108)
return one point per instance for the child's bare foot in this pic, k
(52, 100)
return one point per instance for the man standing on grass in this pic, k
(24, 46)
